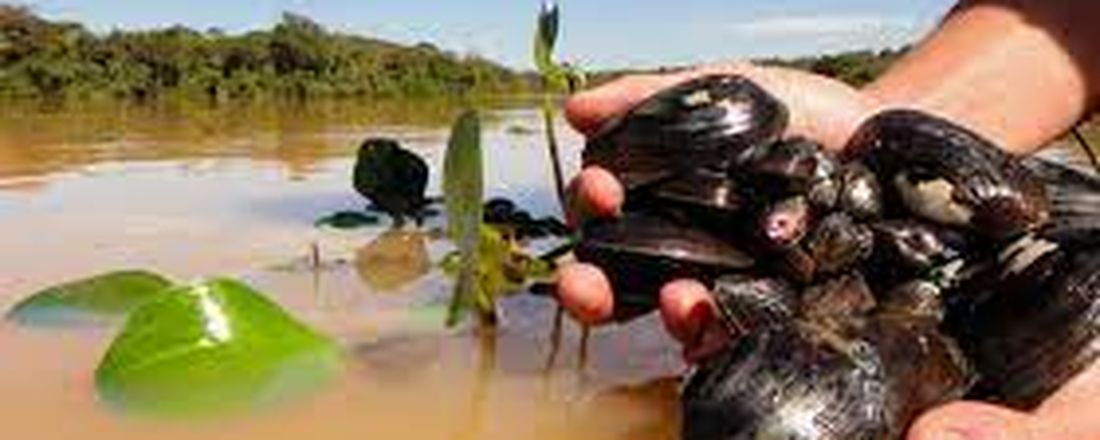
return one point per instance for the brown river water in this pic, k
(191, 191)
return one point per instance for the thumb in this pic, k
(975, 421)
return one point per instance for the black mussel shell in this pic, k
(1038, 328)
(838, 243)
(950, 175)
(391, 177)
(787, 384)
(860, 193)
(698, 196)
(806, 382)
(704, 122)
(792, 166)
(748, 304)
(1074, 201)
(924, 368)
(640, 253)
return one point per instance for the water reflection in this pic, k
(393, 260)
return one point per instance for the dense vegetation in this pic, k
(297, 58)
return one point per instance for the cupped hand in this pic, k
(820, 108)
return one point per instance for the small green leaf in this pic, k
(209, 347)
(463, 187)
(346, 220)
(96, 300)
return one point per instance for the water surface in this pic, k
(193, 191)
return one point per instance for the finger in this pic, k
(585, 292)
(688, 312)
(595, 192)
(973, 421)
(588, 111)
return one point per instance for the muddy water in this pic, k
(192, 191)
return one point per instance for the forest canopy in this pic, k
(296, 58)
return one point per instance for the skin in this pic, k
(1010, 70)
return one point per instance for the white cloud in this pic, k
(809, 26)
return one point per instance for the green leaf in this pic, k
(99, 299)
(210, 347)
(346, 220)
(463, 187)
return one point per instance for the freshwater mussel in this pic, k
(837, 320)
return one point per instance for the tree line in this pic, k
(296, 58)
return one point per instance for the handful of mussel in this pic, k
(922, 265)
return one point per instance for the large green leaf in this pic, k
(209, 347)
(463, 188)
(99, 299)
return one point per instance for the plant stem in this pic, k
(552, 146)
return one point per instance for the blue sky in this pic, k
(595, 33)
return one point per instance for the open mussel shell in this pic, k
(640, 253)
(705, 121)
(945, 173)
(805, 382)
(1037, 328)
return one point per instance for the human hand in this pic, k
(1070, 414)
(829, 112)
(820, 108)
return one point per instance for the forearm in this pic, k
(1020, 72)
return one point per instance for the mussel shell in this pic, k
(946, 173)
(705, 121)
(792, 166)
(916, 298)
(697, 196)
(860, 193)
(1074, 201)
(1038, 329)
(838, 243)
(806, 382)
(786, 384)
(906, 249)
(640, 253)
(839, 299)
(784, 223)
(748, 304)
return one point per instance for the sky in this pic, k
(597, 34)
